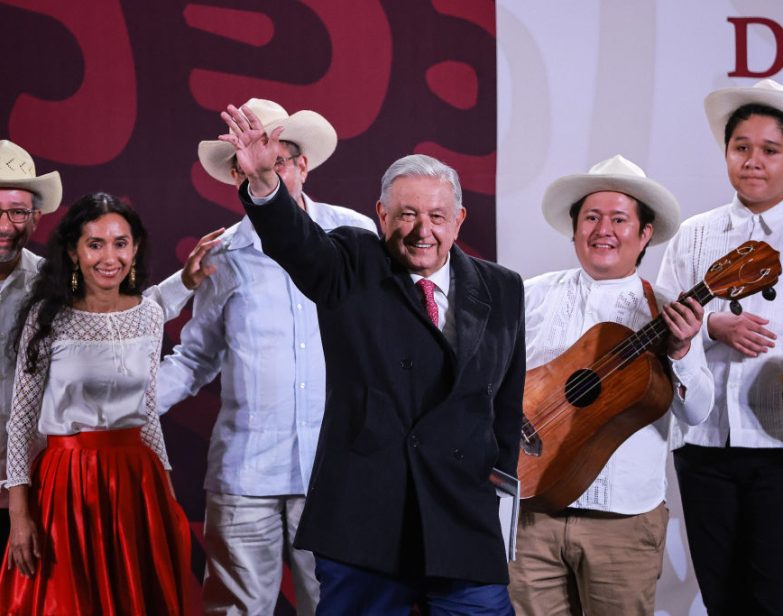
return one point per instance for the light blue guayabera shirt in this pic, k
(251, 324)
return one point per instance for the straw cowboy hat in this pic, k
(719, 105)
(616, 174)
(17, 170)
(307, 129)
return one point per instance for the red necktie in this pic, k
(428, 289)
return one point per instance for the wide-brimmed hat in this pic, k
(720, 104)
(616, 174)
(17, 170)
(309, 130)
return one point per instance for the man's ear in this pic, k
(301, 163)
(647, 233)
(382, 214)
(35, 220)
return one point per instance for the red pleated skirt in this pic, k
(113, 538)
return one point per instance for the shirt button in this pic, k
(458, 454)
(490, 389)
(301, 345)
(299, 306)
(301, 385)
(414, 441)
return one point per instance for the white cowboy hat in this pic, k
(17, 170)
(719, 105)
(616, 174)
(307, 129)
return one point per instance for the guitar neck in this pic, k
(656, 330)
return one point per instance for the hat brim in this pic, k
(719, 106)
(314, 135)
(48, 188)
(566, 191)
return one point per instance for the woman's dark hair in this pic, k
(643, 211)
(743, 113)
(51, 290)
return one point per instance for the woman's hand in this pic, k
(23, 542)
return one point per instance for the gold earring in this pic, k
(132, 276)
(75, 278)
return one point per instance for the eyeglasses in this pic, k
(17, 215)
(281, 162)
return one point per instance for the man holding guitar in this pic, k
(730, 468)
(603, 554)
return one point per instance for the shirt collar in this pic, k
(441, 278)
(628, 280)
(28, 265)
(245, 235)
(740, 215)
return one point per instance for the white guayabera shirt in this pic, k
(559, 308)
(748, 391)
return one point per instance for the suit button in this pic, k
(406, 364)
(490, 389)
(414, 441)
(458, 454)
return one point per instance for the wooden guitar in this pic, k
(581, 406)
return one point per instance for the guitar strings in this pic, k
(619, 352)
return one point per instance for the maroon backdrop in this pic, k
(116, 96)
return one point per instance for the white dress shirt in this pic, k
(252, 325)
(748, 391)
(559, 308)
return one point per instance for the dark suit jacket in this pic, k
(412, 427)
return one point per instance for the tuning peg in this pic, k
(769, 294)
(735, 307)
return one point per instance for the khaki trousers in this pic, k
(244, 539)
(588, 562)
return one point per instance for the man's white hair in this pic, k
(421, 165)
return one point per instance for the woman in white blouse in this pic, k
(95, 527)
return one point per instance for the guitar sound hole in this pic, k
(582, 388)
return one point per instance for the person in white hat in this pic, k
(730, 468)
(252, 325)
(603, 555)
(24, 198)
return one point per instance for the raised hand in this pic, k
(745, 332)
(256, 150)
(684, 322)
(196, 267)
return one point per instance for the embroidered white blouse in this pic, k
(96, 371)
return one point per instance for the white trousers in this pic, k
(244, 537)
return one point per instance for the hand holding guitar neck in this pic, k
(683, 318)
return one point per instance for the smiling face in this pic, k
(14, 235)
(607, 238)
(105, 253)
(754, 162)
(420, 222)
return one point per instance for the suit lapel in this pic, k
(471, 307)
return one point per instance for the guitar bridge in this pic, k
(530, 443)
